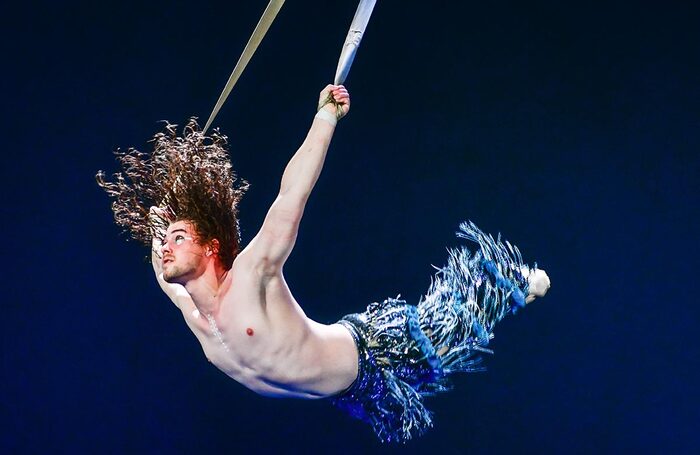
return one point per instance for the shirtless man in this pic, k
(246, 319)
(376, 365)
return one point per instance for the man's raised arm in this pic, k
(276, 238)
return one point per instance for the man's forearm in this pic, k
(304, 168)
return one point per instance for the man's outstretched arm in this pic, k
(276, 238)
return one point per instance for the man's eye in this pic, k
(179, 240)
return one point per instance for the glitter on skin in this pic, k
(215, 330)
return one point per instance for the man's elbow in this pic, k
(284, 217)
(293, 196)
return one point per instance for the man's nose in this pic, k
(165, 247)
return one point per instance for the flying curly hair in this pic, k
(189, 178)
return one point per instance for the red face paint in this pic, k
(249, 331)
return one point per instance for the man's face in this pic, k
(182, 256)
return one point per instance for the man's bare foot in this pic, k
(538, 283)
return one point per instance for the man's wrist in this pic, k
(326, 116)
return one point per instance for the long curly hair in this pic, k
(189, 178)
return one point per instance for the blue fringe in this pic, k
(407, 352)
(469, 296)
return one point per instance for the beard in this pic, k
(178, 273)
(172, 274)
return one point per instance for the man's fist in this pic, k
(335, 100)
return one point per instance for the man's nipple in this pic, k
(249, 332)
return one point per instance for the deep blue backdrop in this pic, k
(573, 129)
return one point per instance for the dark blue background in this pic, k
(570, 128)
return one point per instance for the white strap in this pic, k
(327, 116)
(258, 34)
